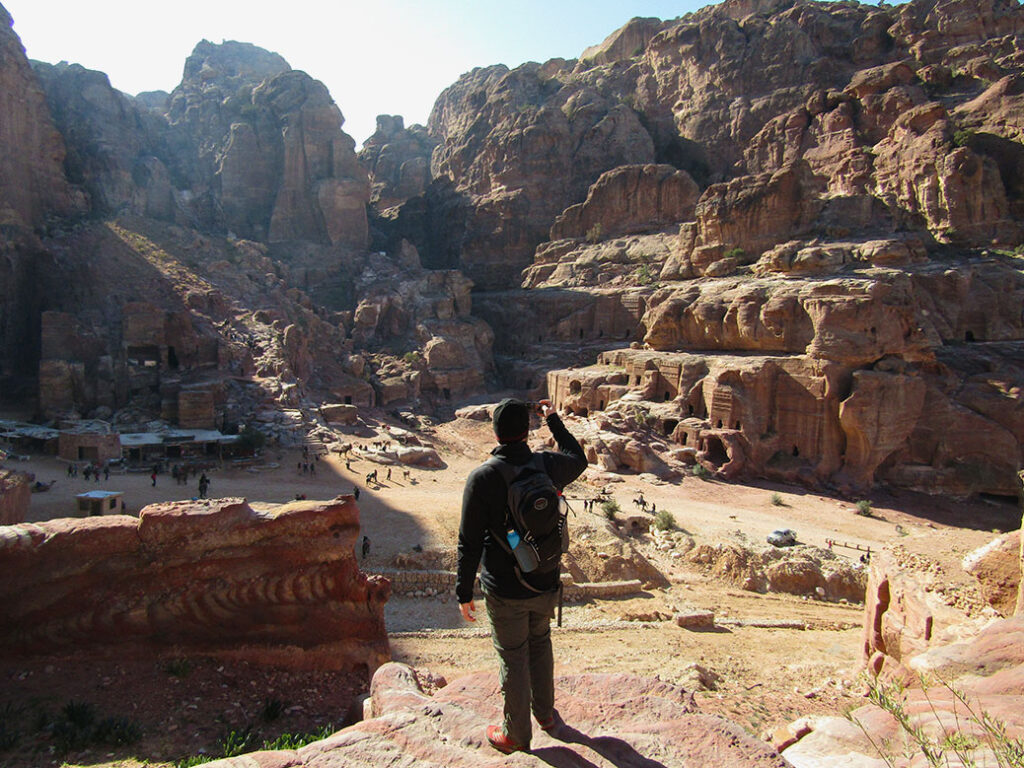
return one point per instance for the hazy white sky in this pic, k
(375, 56)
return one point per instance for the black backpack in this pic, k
(536, 526)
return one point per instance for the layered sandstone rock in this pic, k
(280, 586)
(15, 495)
(518, 147)
(641, 720)
(957, 678)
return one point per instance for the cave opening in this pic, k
(669, 427)
(172, 359)
(715, 452)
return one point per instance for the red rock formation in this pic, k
(215, 576)
(629, 199)
(15, 495)
(610, 719)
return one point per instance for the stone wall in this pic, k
(431, 583)
(88, 446)
(215, 577)
(15, 494)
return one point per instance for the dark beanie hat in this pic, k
(511, 421)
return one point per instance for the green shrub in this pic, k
(735, 253)
(777, 500)
(645, 275)
(594, 233)
(664, 520)
(864, 508)
(699, 470)
(611, 508)
(962, 137)
(296, 740)
(991, 732)
(251, 440)
(237, 743)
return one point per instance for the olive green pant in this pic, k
(521, 632)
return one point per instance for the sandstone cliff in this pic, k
(853, 168)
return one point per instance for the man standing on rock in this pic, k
(520, 610)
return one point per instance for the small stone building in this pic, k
(100, 503)
(89, 446)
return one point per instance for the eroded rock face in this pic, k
(32, 181)
(998, 568)
(15, 495)
(629, 199)
(398, 161)
(659, 722)
(518, 147)
(971, 673)
(280, 586)
(868, 376)
(112, 144)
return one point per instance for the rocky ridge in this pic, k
(831, 187)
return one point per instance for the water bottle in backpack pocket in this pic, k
(524, 553)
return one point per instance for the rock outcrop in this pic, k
(32, 182)
(960, 681)
(398, 161)
(15, 495)
(279, 587)
(610, 720)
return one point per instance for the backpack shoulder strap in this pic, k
(507, 469)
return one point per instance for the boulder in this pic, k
(339, 413)
(420, 456)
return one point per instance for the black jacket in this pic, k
(484, 509)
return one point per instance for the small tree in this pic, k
(864, 508)
(251, 440)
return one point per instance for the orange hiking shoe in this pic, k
(551, 723)
(496, 736)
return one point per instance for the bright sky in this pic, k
(375, 56)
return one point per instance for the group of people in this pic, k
(90, 471)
